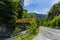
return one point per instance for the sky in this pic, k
(39, 6)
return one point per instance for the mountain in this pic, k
(40, 15)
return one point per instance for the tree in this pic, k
(25, 12)
(32, 27)
(53, 17)
(54, 11)
(30, 15)
(27, 15)
(9, 10)
(20, 12)
(56, 21)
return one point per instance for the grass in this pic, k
(27, 36)
(30, 36)
(18, 38)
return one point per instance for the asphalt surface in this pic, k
(48, 34)
(40, 36)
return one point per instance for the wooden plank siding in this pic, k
(27, 20)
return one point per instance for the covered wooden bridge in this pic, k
(27, 20)
(22, 23)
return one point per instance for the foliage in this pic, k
(9, 12)
(31, 15)
(16, 31)
(56, 21)
(53, 18)
(24, 13)
(54, 11)
(32, 27)
(18, 38)
(41, 22)
(28, 37)
(27, 15)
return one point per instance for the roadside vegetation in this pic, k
(52, 20)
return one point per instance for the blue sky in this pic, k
(39, 6)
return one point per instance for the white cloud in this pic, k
(35, 11)
(54, 1)
(44, 11)
(28, 2)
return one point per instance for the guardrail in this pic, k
(53, 34)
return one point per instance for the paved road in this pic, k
(40, 36)
(48, 34)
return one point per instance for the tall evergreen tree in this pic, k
(9, 12)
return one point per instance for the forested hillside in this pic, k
(53, 17)
(54, 11)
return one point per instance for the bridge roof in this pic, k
(26, 20)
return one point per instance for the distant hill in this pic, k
(40, 15)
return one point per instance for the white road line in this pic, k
(50, 34)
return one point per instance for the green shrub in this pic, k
(16, 31)
(32, 27)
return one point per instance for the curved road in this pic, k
(48, 34)
(40, 36)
